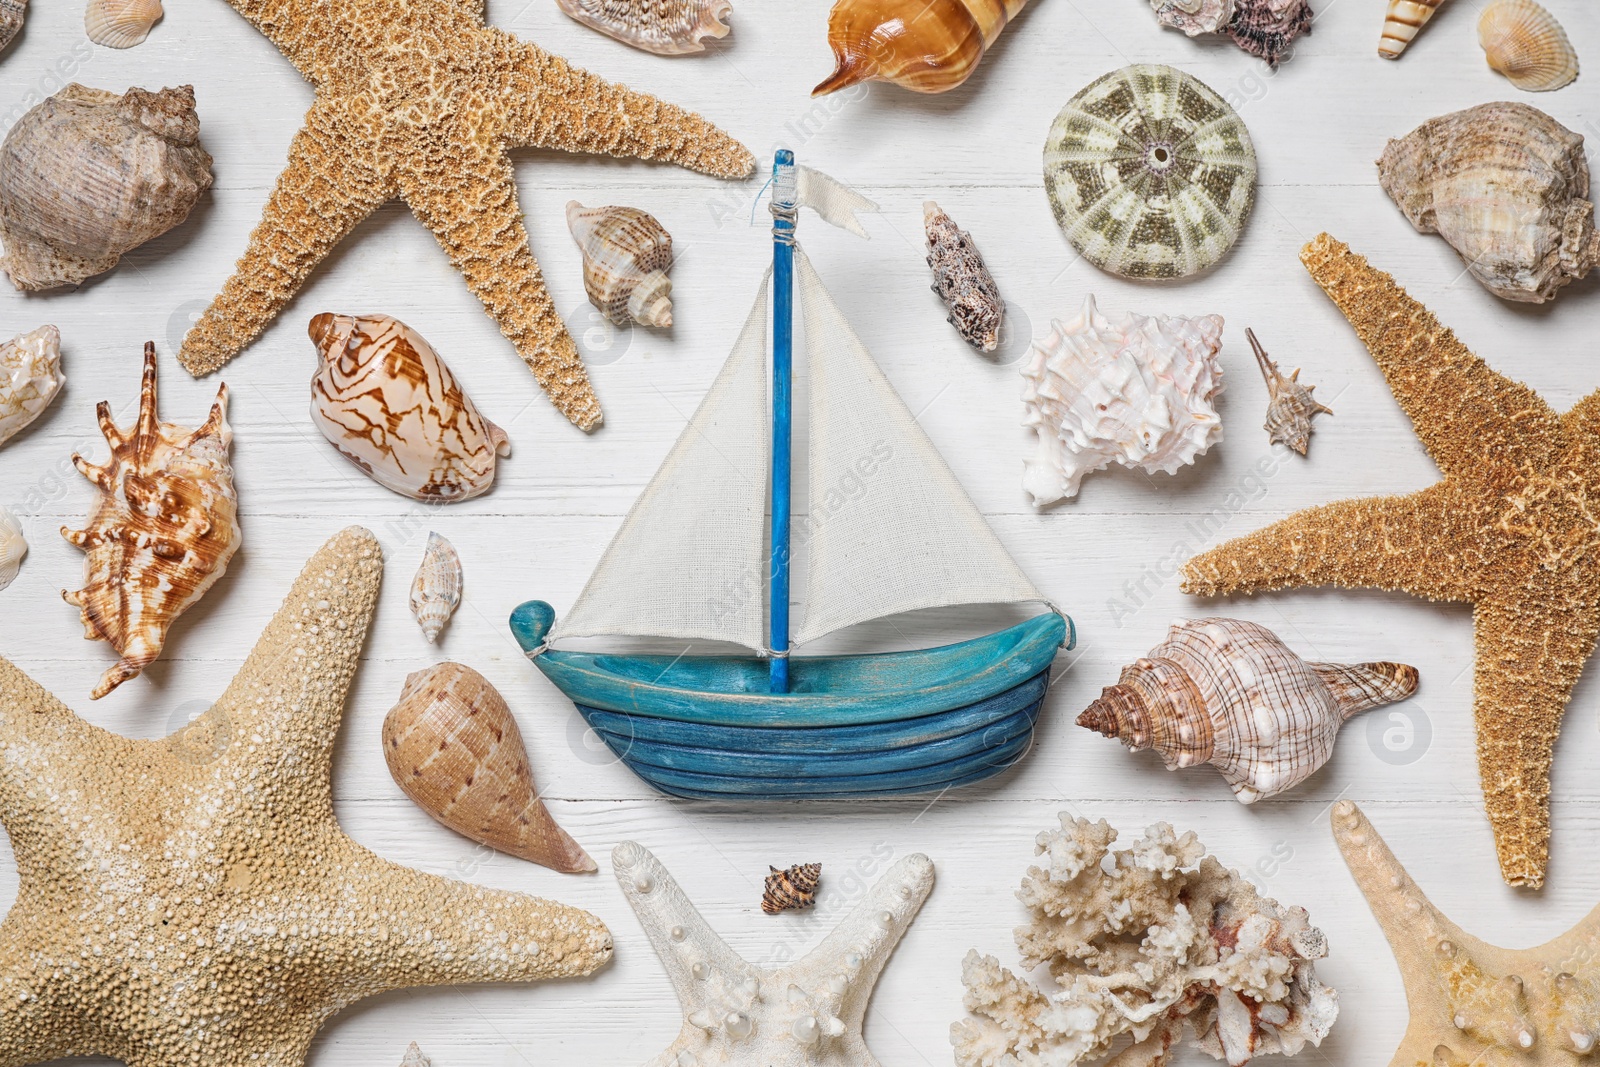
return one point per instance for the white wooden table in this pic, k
(1318, 124)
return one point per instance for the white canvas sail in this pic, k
(690, 560)
(888, 527)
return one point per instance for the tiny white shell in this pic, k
(13, 546)
(436, 590)
(120, 23)
(30, 378)
(415, 1058)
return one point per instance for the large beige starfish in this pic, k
(1470, 1002)
(193, 901)
(418, 99)
(1513, 529)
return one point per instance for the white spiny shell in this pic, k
(1194, 17)
(120, 23)
(13, 546)
(1232, 694)
(1401, 23)
(1138, 392)
(436, 590)
(665, 27)
(30, 377)
(1524, 42)
(626, 256)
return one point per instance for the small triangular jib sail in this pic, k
(690, 560)
(888, 527)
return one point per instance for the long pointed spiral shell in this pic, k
(120, 23)
(436, 590)
(1524, 42)
(927, 46)
(30, 378)
(1401, 23)
(1289, 404)
(665, 27)
(626, 256)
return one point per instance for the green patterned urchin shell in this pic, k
(1150, 172)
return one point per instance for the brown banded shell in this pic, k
(389, 404)
(791, 889)
(88, 175)
(1231, 693)
(665, 27)
(626, 256)
(1289, 404)
(120, 23)
(1401, 22)
(1524, 42)
(162, 532)
(436, 590)
(962, 280)
(927, 46)
(454, 748)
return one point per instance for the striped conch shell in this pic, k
(387, 402)
(1232, 694)
(626, 256)
(1289, 404)
(13, 13)
(665, 27)
(927, 46)
(454, 748)
(1401, 23)
(13, 546)
(791, 889)
(30, 377)
(164, 529)
(120, 23)
(436, 590)
(1524, 42)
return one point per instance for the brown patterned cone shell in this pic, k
(1401, 23)
(665, 27)
(962, 280)
(1290, 405)
(383, 397)
(454, 748)
(1231, 693)
(162, 531)
(88, 175)
(927, 46)
(791, 889)
(626, 256)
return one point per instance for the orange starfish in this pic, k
(1513, 529)
(420, 100)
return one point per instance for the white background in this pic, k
(1318, 124)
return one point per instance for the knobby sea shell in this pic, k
(927, 46)
(665, 27)
(1264, 28)
(13, 546)
(1138, 392)
(1401, 23)
(626, 256)
(1508, 187)
(88, 175)
(1232, 694)
(387, 402)
(13, 13)
(1289, 404)
(1150, 173)
(415, 1058)
(436, 590)
(30, 377)
(1524, 42)
(120, 23)
(454, 748)
(162, 533)
(791, 889)
(963, 281)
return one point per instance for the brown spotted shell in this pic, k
(626, 256)
(162, 533)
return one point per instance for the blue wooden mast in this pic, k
(785, 193)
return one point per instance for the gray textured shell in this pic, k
(963, 281)
(13, 13)
(1150, 173)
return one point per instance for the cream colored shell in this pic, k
(415, 1058)
(1524, 42)
(13, 546)
(30, 378)
(436, 590)
(1401, 22)
(626, 256)
(665, 27)
(120, 23)
(1290, 406)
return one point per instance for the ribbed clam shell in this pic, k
(927, 46)
(13, 13)
(962, 280)
(436, 590)
(120, 23)
(665, 27)
(1524, 42)
(30, 378)
(1150, 173)
(1401, 23)
(1289, 404)
(453, 747)
(13, 546)
(162, 532)
(626, 256)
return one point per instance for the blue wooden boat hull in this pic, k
(705, 727)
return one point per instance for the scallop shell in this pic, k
(162, 533)
(13, 546)
(436, 590)
(1401, 23)
(626, 256)
(1138, 392)
(1150, 173)
(387, 402)
(927, 46)
(1524, 42)
(1289, 404)
(13, 13)
(1508, 187)
(1232, 694)
(665, 27)
(963, 281)
(88, 175)
(30, 378)
(453, 747)
(120, 23)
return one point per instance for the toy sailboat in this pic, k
(889, 530)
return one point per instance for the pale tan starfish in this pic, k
(1513, 529)
(418, 99)
(193, 900)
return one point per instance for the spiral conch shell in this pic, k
(1290, 405)
(13, 546)
(436, 590)
(626, 256)
(30, 377)
(120, 23)
(1138, 392)
(665, 27)
(1508, 187)
(927, 46)
(164, 529)
(454, 748)
(88, 175)
(1524, 42)
(387, 402)
(1231, 693)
